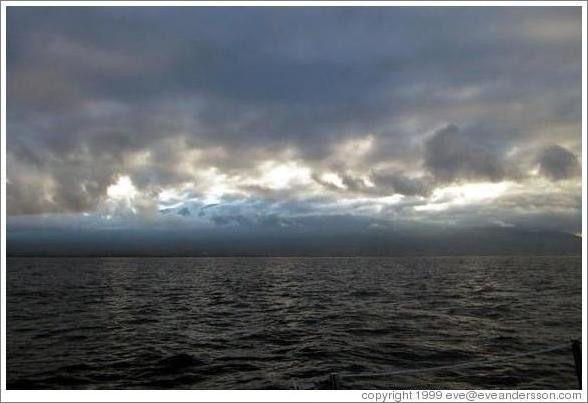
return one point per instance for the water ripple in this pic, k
(267, 323)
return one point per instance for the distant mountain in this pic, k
(234, 241)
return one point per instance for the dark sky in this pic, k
(343, 119)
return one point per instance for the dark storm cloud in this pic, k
(164, 94)
(451, 155)
(558, 163)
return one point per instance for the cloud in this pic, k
(404, 185)
(558, 163)
(310, 109)
(451, 155)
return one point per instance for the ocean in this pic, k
(290, 322)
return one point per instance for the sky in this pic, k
(331, 120)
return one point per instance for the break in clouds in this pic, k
(294, 117)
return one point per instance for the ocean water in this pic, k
(265, 323)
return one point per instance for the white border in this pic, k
(3, 206)
(251, 395)
(301, 3)
(584, 199)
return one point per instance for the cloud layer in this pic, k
(267, 116)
